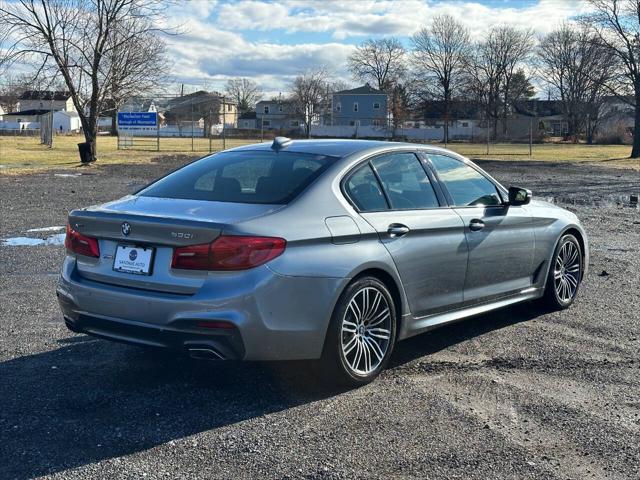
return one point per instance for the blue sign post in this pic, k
(137, 119)
(135, 128)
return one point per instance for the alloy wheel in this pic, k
(366, 330)
(566, 272)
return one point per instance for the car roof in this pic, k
(334, 147)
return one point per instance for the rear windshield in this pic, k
(243, 177)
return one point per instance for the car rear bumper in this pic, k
(265, 316)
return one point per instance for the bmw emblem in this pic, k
(126, 229)
(133, 254)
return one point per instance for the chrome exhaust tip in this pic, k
(205, 353)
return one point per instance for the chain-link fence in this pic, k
(207, 122)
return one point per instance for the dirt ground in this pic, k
(512, 394)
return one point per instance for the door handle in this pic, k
(476, 224)
(397, 230)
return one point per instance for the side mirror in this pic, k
(519, 196)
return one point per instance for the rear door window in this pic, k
(405, 181)
(243, 177)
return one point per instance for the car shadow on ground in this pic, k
(445, 336)
(91, 400)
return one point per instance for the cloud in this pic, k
(270, 41)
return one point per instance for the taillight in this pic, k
(228, 252)
(78, 243)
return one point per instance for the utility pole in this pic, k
(487, 135)
(530, 135)
(224, 123)
(210, 124)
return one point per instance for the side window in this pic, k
(405, 182)
(364, 190)
(467, 186)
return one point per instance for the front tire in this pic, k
(361, 334)
(565, 274)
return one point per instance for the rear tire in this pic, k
(565, 274)
(361, 334)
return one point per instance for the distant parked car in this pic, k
(318, 249)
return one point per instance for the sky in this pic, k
(272, 41)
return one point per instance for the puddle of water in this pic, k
(46, 229)
(617, 200)
(67, 174)
(57, 239)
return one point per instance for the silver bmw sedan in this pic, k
(330, 250)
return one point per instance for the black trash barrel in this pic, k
(85, 152)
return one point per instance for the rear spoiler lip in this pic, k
(144, 229)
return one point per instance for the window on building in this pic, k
(355, 106)
(338, 107)
(376, 105)
(376, 122)
(465, 124)
(266, 109)
(294, 123)
(280, 108)
(266, 123)
(229, 107)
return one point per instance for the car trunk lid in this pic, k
(161, 224)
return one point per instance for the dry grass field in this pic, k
(20, 154)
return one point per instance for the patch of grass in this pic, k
(612, 155)
(19, 154)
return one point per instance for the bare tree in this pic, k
(577, 66)
(491, 69)
(245, 92)
(484, 79)
(516, 47)
(439, 54)
(80, 40)
(5, 52)
(135, 67)
(380, 61)
(400, 105)
(307, 92)
(616, 23)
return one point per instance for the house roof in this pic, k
(458, 109)
(538, 108)
(44, 95)
(200, 96)
(67, 114)
(363, 90)
(32, 112)
(284, 101)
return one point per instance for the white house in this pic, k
(45, 100)
(64, 122)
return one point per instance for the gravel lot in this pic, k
(512, 394)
